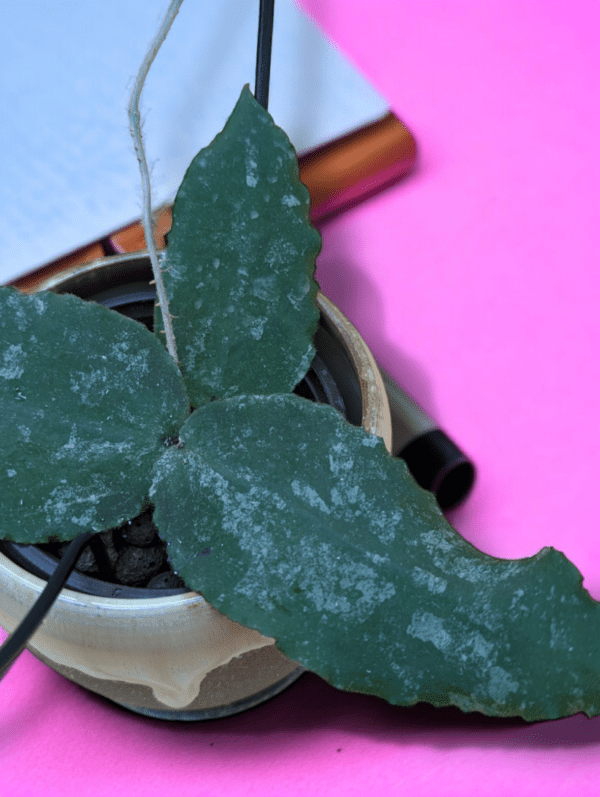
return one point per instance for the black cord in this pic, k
(15, 643)
(263, 52)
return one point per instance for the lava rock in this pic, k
(140, 531)
(166, 580)
(135, 566)
(87, 563)
(109, 546)
(132, 555)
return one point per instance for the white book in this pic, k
(68, 173)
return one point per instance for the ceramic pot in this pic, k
(160, 653)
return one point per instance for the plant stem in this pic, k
(136, 133)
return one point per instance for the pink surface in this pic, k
(474, 283)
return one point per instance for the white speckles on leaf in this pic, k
(429, 628)
(290, 201)
(480, 647)
(251, 170)
(280, 251)
(518, 605)
(11, 366)
(310, 495)
(39, 303)
(297, 296)
(257, 327)
(90, 387)
(19, 317)
(265, 288)
(480, 572)
(335, 584)
(437, 547)
(558, 634)
(371, 441)
(434, 584)
(501, 684)
(340, 459)
(90, 451)
(376, 558)
(64, 499)
(135, 361)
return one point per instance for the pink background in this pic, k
(474, 283)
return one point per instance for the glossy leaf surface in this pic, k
(240, 263)
(293, 522)
(86, 399)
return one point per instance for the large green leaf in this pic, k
(87, 398)
(291, 521)
(240, 263)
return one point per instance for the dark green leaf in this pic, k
(240, 263)
(293, 522)
(86, 399)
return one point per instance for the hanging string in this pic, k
(136, 133)
(263, 52)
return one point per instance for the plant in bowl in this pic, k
(292, 522)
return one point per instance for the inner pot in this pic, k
(248, 669)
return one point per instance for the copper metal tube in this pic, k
(338, 175)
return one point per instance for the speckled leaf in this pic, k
(240, 263)
(293, 522)
(86, 399)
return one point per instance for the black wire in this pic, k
(263, 52)
(15, 643)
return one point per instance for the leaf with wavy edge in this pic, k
(240, 263)
(293, 522)
(87, 398)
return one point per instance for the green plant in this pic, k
(309, 530)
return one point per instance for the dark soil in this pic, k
(132, 555)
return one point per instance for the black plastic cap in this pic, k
(437, 464)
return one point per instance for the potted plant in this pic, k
(289, 520)
(188, 660)
(182, 659)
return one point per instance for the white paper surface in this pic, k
(68, 173)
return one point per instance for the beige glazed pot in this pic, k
(174, 656)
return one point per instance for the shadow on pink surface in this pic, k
(348, 284)
(311, 707)
(309, 722)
